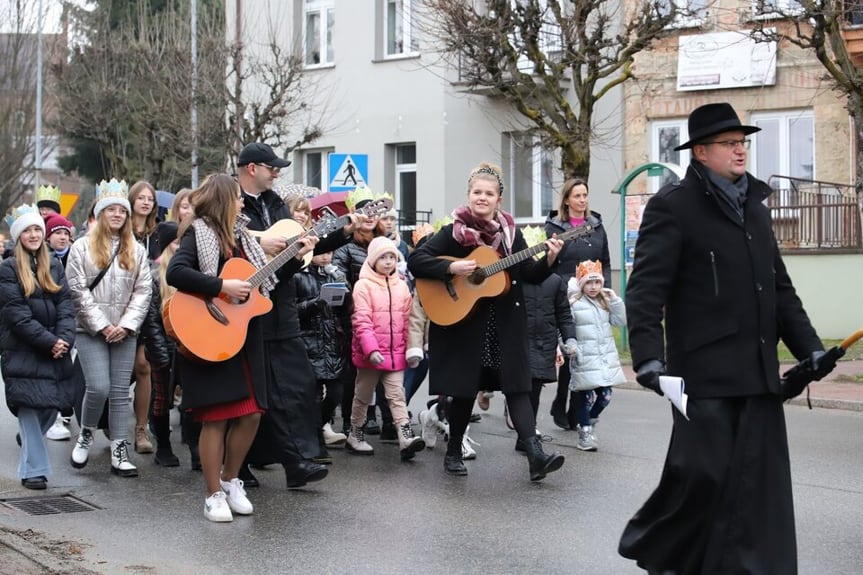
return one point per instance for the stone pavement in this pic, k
(842, 389)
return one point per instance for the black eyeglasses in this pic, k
(731, 144)
(273, 169)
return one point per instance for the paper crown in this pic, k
(112, 189)
(48, 194)
(533, 235)
(363, 194)
(442, 222)
(588, 271)
(21, 210)
(422, 230)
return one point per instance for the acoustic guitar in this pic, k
(448, 302)
(215, 329)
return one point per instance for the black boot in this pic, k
(190, 431)
(303, 472)
(541, 463)
(164, 454)
(453, 462)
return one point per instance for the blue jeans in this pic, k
(591, 403)
(33, 458)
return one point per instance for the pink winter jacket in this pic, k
(382, 306)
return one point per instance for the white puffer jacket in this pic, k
(596, 362)
(121, 298)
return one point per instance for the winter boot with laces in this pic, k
(81, 451)
(120, 464)
(541, 463)
(409, 444)
(357, 442)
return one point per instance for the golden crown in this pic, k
(421, 231)
(358, 195)
(48, 193)
(112, 189)
(533, 235)
(20, 211)
(588, 270)
(442, 222)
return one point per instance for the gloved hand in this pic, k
(820, 366)
(648, 374)
(570, 346)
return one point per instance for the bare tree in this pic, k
(551, 60)
(819, 25)
(18, 69)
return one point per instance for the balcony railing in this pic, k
(810, 214)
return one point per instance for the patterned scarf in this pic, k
(470, 231)
(208, 249)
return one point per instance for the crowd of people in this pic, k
(83, 320)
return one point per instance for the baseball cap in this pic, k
(260, 153)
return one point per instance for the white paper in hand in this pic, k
(334, 294)
(674, 390)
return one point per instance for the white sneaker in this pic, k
(428, 422)
(236, 495)
(216, 508)
(81, 451)
(333, 438)
(59, 431)
(467, 452)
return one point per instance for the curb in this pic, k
(819, 402)
(35, 554)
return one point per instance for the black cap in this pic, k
(260, 153)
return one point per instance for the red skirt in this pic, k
(231, 409)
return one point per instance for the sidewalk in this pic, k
(842, 389)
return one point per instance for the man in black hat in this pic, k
(708, 300)
(290, 431)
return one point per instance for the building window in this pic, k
(776, 7)
(784, 146)
(665, 136)
(550, 39)
(528, 170)
(319, 16)
(315, 169)
(399, 24)
(690, 13)
(406, 183)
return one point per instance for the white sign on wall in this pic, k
(724, 60)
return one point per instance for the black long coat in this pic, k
(454, 351)
(726, 296)
(548, 316)
(210, 383)
(29, 328)
(592, 246)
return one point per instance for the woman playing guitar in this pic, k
(487, 349)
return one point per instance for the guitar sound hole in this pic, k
(476, 277)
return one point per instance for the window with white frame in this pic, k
(664, 137)
(400, 28)
(775, 7)
(785, 146)
(406, 182)
(316, 169)
(528, 170)
(691, 13)
(550, 37)
(318, 19)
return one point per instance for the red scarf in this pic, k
(470, 231)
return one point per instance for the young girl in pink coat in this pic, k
(382, 305)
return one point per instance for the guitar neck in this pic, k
(291, 251)
(522, 255)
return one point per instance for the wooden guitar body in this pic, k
(189, 319)
(285, 229)
(448, 304)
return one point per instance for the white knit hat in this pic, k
(380, 246)
(22, 218)
(111, 193)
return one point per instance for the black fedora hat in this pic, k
(711, 119)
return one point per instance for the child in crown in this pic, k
(595, 365)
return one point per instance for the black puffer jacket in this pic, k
(322, 326)
(29, 328)
(592, 246)
(159, 348)
(548, 317)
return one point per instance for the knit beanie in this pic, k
(378, 247)
(22, 218)
(589, 271)
(56, 222)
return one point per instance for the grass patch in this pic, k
(854, 352)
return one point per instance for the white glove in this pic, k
(570, 347)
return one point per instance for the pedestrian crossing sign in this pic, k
(348, 171)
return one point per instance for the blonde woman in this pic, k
(109, 277)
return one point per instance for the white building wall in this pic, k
(375, 103)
